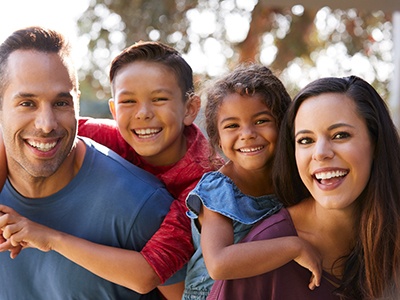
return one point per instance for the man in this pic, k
(82, 191)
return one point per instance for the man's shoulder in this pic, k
(113, 164)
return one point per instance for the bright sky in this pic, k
(56, 14)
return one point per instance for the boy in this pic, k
(154, 107)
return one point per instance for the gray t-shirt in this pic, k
(110, 202)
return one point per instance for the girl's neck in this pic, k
(255, 183)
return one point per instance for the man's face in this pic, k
(38, 115)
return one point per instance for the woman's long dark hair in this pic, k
(372, 268)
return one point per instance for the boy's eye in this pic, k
(127, 101)
(159, 99)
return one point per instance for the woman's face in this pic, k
(333, 148)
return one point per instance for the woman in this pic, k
(337, 171)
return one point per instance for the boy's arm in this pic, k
(170, 248)
(106, 132)
(121, 266)
(128, 268)
(3, 162)
(226, 260)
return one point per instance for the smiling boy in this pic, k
(154, 107)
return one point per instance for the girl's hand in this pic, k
(311, 259)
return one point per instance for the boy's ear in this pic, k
(192, 109)
(111, 106)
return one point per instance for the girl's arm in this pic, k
(226, 260)
(3, 162)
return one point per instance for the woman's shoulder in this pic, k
(277, 225)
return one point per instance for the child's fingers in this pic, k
(315, 281)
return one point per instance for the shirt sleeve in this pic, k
(171, 246)
(106, 132)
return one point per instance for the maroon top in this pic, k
(289, 282)
(171, 246)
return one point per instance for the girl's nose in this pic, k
(247, 132)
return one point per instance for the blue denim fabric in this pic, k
(218, 193)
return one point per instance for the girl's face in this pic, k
(248, 132)
(334, 152)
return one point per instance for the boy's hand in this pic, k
(5, 245)
(311, 259)
(18, 232)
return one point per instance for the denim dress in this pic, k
(218, 193)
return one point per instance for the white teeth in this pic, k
(329, 175)
(42, 146)
(248, 150)
(147, 131)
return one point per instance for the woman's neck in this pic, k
(331, 232)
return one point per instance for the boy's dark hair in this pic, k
(246, 79)
(37, 39)
(160, 53)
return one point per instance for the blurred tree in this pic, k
(299, 44)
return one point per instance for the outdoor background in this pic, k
(298, 43)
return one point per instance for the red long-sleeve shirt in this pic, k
(171, 246)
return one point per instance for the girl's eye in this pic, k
(341, 135)
(231, 126)
(258, 122)
(304, 141)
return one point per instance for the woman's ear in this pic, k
(192, 109)
(111, 106)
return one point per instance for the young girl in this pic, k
(339, 152)
(243, 115)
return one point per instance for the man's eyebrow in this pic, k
(24, 95)
(65, 95)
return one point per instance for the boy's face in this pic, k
(150, 111)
